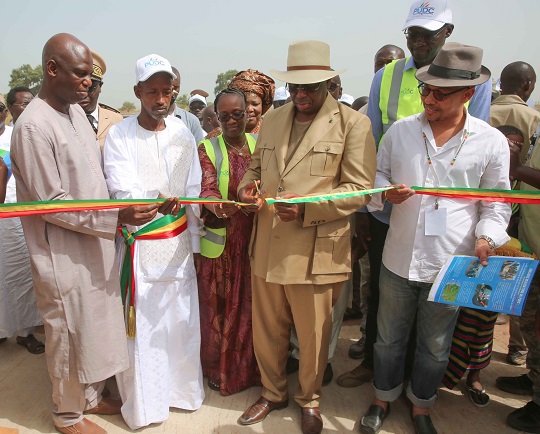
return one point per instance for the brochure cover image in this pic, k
(501, 286)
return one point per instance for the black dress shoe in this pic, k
(328, 374)
(423, 424)
(292, 365)
(371, 422)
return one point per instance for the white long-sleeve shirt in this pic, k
(483, 162)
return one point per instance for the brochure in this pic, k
(501, 286)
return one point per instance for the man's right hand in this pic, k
(250, 194)
(138, 215)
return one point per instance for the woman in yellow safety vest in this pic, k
(224, 274)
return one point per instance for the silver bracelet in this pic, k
(490, 242)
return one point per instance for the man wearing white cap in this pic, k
(444, 146)
(281, 95)
(197, 103)
(301, 252)
(155, 156)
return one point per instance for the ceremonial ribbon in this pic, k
(23, 209)
(167, 226)
(513, 196)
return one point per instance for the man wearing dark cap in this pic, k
(443, 146)
(100, 116)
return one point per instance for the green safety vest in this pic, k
(399, 96)
(213, 243)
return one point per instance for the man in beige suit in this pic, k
(101, 116)
(301, 252)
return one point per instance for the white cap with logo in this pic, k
(430, 15)
(150, 65)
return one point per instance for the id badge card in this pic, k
(436, 221)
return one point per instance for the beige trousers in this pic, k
(71, 398)
(275, 308)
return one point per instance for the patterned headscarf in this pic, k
(255, 82)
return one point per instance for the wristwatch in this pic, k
(490, 242)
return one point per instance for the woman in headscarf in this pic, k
(224, 274)
(259, 90)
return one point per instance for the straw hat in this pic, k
(455, 65)
(307, 62)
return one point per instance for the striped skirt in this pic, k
(471, 344)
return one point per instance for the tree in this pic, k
(182, 101)
(27, 76)
(223, 79)
(127, 107)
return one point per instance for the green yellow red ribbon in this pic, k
(168, 226)
(23, 209)
(512, 196)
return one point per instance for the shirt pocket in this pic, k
(325, 159)
(267, 152)
(332, 248)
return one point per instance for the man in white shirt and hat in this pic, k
(443, 146)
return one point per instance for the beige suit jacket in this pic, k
(512, 110)
(106, 119)
(337, 154)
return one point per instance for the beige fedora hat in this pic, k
(455, 65)
(307, 62)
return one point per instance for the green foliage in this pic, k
(223, 79)
(127, 107)
(450, 292)
(27, 76)
(182, 101)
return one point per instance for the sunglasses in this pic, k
(425, 36)
(308, 88)
(437, 94)
(2, 108)
(94, 86)
(224, 117)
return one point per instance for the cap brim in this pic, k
(149, 74)
(305, 76)
(430, 25)
(423, 76)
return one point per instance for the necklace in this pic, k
(238, 150)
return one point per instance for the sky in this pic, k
(203, 39)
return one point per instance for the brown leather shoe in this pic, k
(85, 426)
(106, 406)
(311, 420)
(258, 411)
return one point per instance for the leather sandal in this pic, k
(371, 422)
(31, 344)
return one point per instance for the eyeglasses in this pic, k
(224, 117)
(437, 94)
(333, 86)
(2, 108)
(23, 104)
(308, 88)
(426, 36)
(93, 87)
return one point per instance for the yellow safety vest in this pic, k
(213, 242)
(399, 96)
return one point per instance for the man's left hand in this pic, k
(483, 251)
(287, 212)
(170, 206)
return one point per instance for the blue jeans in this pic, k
(399, 301)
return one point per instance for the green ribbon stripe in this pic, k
(330, 196)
